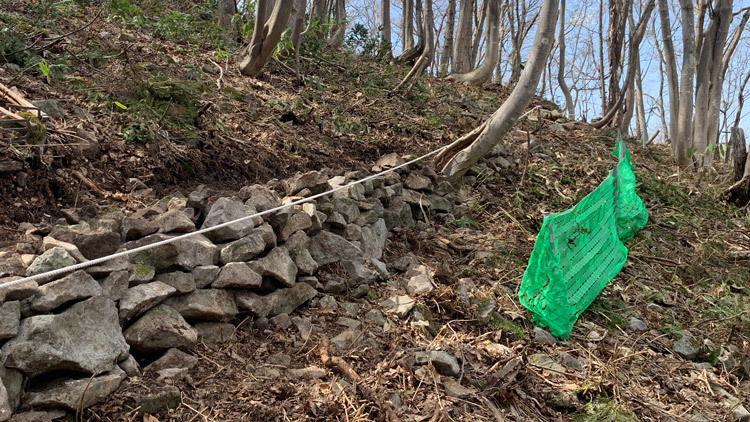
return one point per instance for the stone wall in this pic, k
(69, 342)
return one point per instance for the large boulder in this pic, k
(260, 197)
(76, 286)
(92, 244)
(139, 299)
(205, 305)
(281, 301)
(277, 265)
(174, 221)
(75, 394)
(243, 249)
(326, 248)
(373, 239)
(223, 211)
(160, 328)
(237, 275)
(84, 338)
(182, 282)
(186, 253)
(52, 259)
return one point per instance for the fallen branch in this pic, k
(740, 254)
(89, 184)
(348, 371)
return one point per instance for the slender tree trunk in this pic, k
(407, 25)
(482, 74)
(569, 106)
(619, 10)
(417, 50)
(385, 25)
(684, 135)
(445, 58)
(428, 40)
(478, 32)
(640, 109)
(467, 150)
(299, 21)
(340, 28)
(462, 45)
(266, 35)
(739, 193)
(671, 71)
(227, 9)
(739, 152)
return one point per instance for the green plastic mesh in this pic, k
(577, 252)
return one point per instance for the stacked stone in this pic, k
(93, 321)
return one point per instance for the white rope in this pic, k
(82, 265)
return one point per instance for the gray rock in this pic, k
(352, 232)
(740, 413)
(186, 253)
(351, 308)
(215, 332)
(13, 382)
(376, 317)
(327, 248)
(335, 286)
(205, 305)
(12, 265)
(173, 358)
(653, 307)
(141, 273)
(167, 398)
(76, 286)
(439, 204)
(76, 394)
(182, 282)
(347, 339)
(84, 338)
(399, 305)
(299, 221)
(174, 221)
(139, 299)
(569, 360)
(50, 260)
(637, 325)
(108, 267)
(373, 239)
(237, 275)
(454, 389)
(243, 249)
(347, 208)
(5, 408)
(419, 284)
(281, 301)
(546, 362)
(418, 182)
(305, 263)
(50, 242)
(444, 363)
(92, 244)
(204, 275)
(398, 214)
(281, 322)
(51, 107)
(389, 161)
(314, 180)
(158, 329)
(136, 228)
(131, 367)
(360, 291)
(10, 319)
(225, 210)
(38, 416)
(687, 346)
(327, 302)
(198, 199)
(336, 220)
(260, 197)
(277, 265)
(543, 336)
(358, 272)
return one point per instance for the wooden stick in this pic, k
(348, 371)
(16, 97)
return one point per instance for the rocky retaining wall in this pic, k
(67, 343)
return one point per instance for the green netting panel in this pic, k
(631, 212)
(578, 251)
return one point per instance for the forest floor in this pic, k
(147, 87)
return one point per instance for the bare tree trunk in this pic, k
(569, 106)
(619, 10)
(739, 152)
(266, 35)
(640, 109)
(670, 62)
(385, 25)
(227, 9)
(407, 25)
(602, 76)
(462, 45)
(482, 74)
(424, 60)
(683, 138)
(467, 150)
(739, 193)
(445, 58)
(299, 21)
(478, 31)
(340, 29)
(417, 50)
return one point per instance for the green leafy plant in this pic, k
(363, 43)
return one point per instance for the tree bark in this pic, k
(671, 71)
(483, 72)
(478, 32)
(683, 138)
(739, 193)
(385, 25)
(739, 152)
(462, 45)
(569, 106)
(227, 9)
(407, 25)
(337, 38)
(266, 35)
(445, 58)
(640, 109)
(467, 150)
(424, 60)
